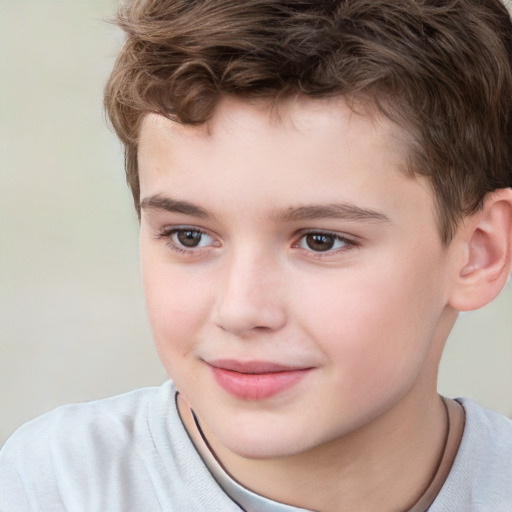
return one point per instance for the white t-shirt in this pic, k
(131, 453)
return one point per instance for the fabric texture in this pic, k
(131, 453)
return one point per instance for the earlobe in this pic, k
(487, 240)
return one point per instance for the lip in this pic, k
(255, 380)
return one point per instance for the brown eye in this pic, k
(324, 242)
(320, 242)
(191, 238)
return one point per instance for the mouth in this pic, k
(255, 380)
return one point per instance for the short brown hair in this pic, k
(441, 69)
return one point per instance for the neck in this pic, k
(387, 463)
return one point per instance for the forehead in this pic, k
(277, 125)
(300, 113)
(298, 151)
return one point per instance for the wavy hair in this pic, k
(440, 69)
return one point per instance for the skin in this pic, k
(364, 428)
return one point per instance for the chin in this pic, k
(271, 444)
(262, 452)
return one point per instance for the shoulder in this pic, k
(481, 476)
(480, 419)
(487, 439)
(113, 417)
(122, 454)
(76, 448)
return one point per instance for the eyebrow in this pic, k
(344, 211)
(158, 202)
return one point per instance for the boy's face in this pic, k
(294, 276)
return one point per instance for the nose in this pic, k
(251, 297)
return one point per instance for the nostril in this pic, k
(243, 319)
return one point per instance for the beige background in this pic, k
(72, 317)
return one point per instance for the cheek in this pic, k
(373, 326)
(177, 306)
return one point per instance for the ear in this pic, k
(485, 240)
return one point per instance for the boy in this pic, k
(322, 186)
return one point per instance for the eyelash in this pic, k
(348, 243)
(166, 235)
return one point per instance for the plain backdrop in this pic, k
(72, 317)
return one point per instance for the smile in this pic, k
(255, 380)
